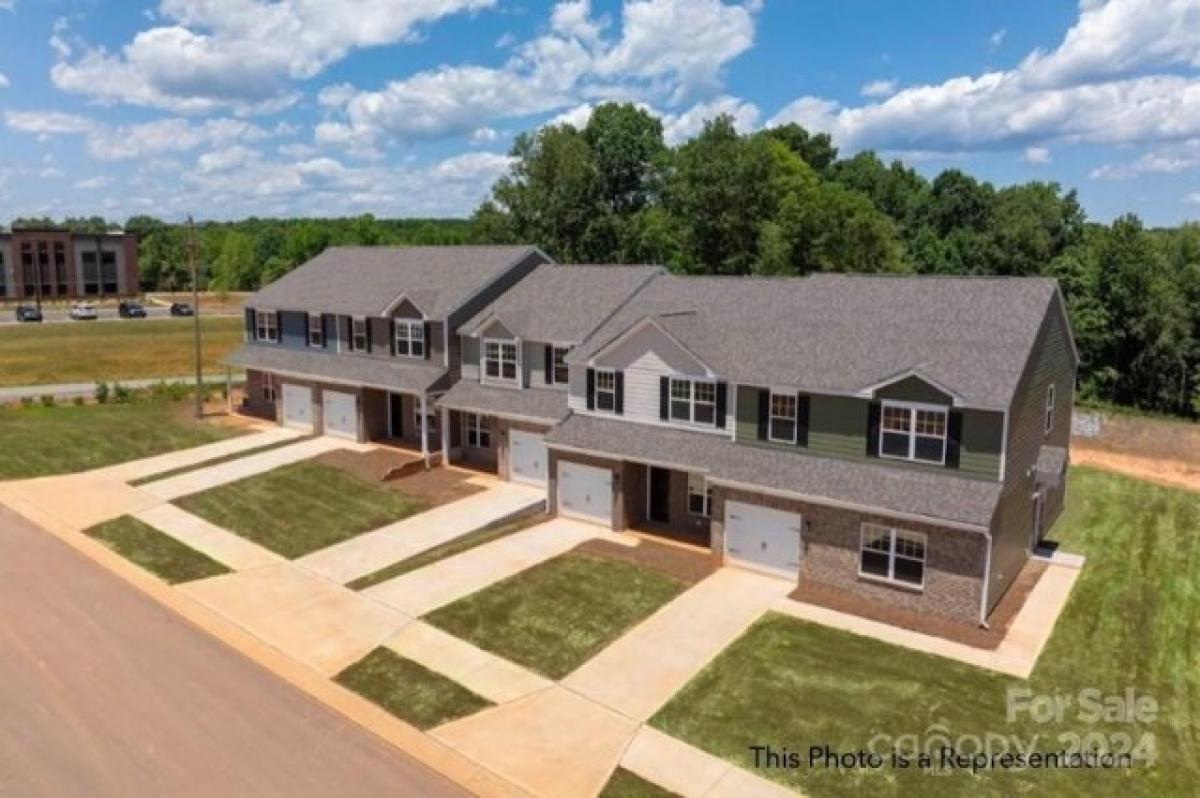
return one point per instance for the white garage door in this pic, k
(297, 407)
(341, 414)
(527, 457)
(763, 539)
(585, 492)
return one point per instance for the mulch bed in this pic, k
(435, 486)
(939, 626)
(684, 564)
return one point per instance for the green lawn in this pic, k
(410, 691)
(39, 354)
(38, 441)
(1133, 621)
(557, 615)
(158, 553)
(174, 472)
(299, 508)
(457, 546)
(624, 784)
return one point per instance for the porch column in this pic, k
(424, 431)
(445, 436)
(229, 390)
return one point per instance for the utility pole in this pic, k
(191, 248)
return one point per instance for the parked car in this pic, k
(131, 310)
(181, 309)
(83, 311)
(28, 313)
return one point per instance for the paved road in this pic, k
(62, 315)
(69, 390)
(103, 692)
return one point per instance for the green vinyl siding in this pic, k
(982, 441)
(746, 427)
(912, 389)
(837, 425)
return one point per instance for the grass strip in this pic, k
(409, 690)
(155, 551)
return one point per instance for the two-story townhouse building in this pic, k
(513, 385)
(896, 440)
(359, 341)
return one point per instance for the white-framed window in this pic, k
(559, 365)
(606, 390)
(268, 388)
(266, 326)
(1049, 407)
(479, 433)
(694, 402)
(358, 335)
(316, 331)
(699, 496)
(500, 360)
(782, 423)
(895, 555)
(410, 338)
(913, 432)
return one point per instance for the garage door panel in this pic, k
(527, 457)
(341, 414)
(585, 492)
(297, 407)
(763, 539)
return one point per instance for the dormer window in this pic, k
(500, 360)
(914, 432)
(266, 326)
(358, 335)
(783, 418)
(694, 402)
(606, 390)
(410, 338)
(316, 332)
(559, 365)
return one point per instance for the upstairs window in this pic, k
(410, 338)
(266, 326)
(606, 391)
(782, 427)
(316, 332)
(1049, 407)
(500, 360)
(559, 366)
(894, 555)
(913, 432)
(358, 335)
(694, 402)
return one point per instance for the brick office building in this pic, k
(53, 264)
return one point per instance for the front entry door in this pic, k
(660, 495)
(395, 415)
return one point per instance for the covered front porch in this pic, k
(405, 420)
(669, 503)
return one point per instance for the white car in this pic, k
(83, 311)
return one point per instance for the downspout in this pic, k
(987, 582)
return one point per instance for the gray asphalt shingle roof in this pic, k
(531, 403)
(364, 281)
(830, 333)
(563, 303)
(931, 494)
(356, 370)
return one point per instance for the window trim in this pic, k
(269, 389)
(913, 408)
(354, 335)
(318, 329)
(500, 344)
(771, 416)
(692, 401)
(1048, 411)
(892, 533)
(558, 360)
(481, 430)
(597, 390)
(705, 495)
(411, 341)
(266, 326)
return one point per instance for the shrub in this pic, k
(121, 394)
(102, 392)
(47, 400)
(26, 401)
(78, 401)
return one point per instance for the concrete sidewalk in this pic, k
(448, 580)
(368, 553)
(69, 390)
(233, 551)
(640, 672)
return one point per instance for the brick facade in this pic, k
(494, 457)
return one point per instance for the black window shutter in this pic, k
(367, 324)
(251, 333)
(802, 405)
(392, 335)
(664, 398)
(428, 346)
(591, 389)
(619, 379)
(325, 325)
(721, 389)
(764, 414)
(549, 364)
(953, 438)
(873, 430)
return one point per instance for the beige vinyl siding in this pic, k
(534, 363)
(577, 396)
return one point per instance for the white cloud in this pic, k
(879, 88)
(997, 38)
(241, 53)
(1070, 94)
(474, 166)
(1036, 155)
(8, 5)
(46, 123)
(126, 142)
(484, 135)
(679, 127)
(4, 84)
(577, 117)
(1161, 160)
(1193, 198)
(94, 183)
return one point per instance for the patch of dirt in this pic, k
(435, 486)
(936, 625)
(687, 565)
(1149, 438)
(1171, 473)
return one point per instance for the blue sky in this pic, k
(225, 108)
